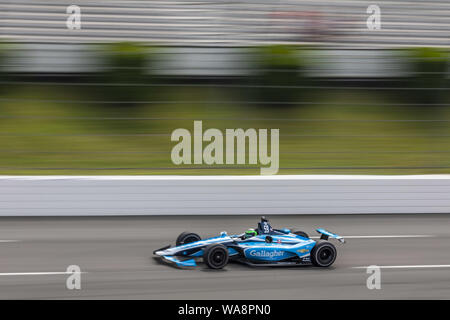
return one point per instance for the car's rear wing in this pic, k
(326, 234)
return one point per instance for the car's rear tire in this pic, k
(187, 237)
(323, 254)
(215, 256)
(301, 234)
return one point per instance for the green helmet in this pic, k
(251, 233)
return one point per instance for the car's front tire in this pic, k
(323, 254)
(187, 237)
(215, 256)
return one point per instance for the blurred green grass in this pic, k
(346, 131)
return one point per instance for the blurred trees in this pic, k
(3, 55)
(127, 68)
(279, 70)
(429, 67)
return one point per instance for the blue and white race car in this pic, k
(263, 246)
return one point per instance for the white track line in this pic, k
(410, 266)
(34, 273)
(9, 241)
(386, 236)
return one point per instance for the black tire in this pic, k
(215, 256)
(323, 254)
(301, 234)
(187, 237)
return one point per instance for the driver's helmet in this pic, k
(250, 233)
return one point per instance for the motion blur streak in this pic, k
(104, 99)
(116, 254)
(230, 23)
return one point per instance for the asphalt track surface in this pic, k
(115, 256)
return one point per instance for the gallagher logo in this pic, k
(266, 254)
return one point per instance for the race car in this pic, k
(263, 246)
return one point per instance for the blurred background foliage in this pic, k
(119, 120)
(3, 56)
(428, 65)
(279, 66)
(125, 70)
